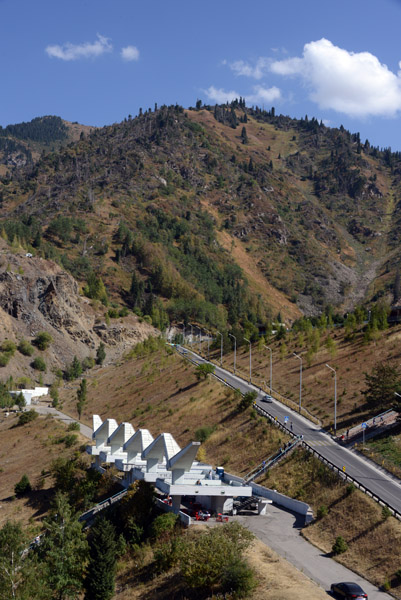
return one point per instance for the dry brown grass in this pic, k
(29, 450)
(352, 360)
(374, 542)
(161, 393)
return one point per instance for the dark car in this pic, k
(267, 398)
(348, 591)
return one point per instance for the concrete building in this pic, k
(174, 471)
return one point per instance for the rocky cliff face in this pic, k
(37, 295)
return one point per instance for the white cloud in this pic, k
(130, 53)
(353, 83)
(259, 95)
(257, 71)
(220, 96)
(76, 51)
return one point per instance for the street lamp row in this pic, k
(271, 366)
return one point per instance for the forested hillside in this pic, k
(217, 214)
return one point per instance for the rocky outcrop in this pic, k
(38, 295)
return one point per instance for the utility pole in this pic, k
(300, 382)
(221, 349)
(250, 359)
(335, 398)
(235, 350)
(271, 368)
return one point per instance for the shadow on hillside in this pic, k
(365, 532)
(181, 390)
(40, 500)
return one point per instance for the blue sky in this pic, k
(96, 61)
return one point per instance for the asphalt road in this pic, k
(376, 481)
(279, 529)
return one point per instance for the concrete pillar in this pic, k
(218, 503)
(177, 475)
(151, 465)
(262, 504)
(176, 504)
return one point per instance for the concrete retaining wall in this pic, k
(280, 499)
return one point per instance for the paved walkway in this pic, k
(280, 530)
(45, 410)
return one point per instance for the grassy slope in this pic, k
(157, 393)
(352, 360)
(374, 542)
(29, 449)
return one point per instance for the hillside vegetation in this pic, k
(220, 215)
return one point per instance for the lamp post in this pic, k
(235, 350)
(221, 349)
(335, 398)
(300, 382)
(192, 336)
(271, 367)
(208, 343)
(250, 359)
(200, 340)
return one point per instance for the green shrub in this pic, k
(247, 400)
(9, 347)
(39, 364)
(88, 362)
(203, 433)
(163, 526)
(4, 359)
(25, 348)
(239, 578)
(398, 574)
(350, 489)
(74, 426)
(340, 546)
(23, 486)
(322, 511)
(27, 417)
(43, 340)
(70, 439)
(386, 513)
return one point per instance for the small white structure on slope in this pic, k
(29, 395)
(175, 472)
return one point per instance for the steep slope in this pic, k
(201, 207)
(37, 295)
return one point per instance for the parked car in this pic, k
(267, 398)
(348, 590)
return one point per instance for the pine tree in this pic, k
(244, 136)
(100, 579)
(100, 354)
(81, 397)
(64, 551)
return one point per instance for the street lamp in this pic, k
(200, 340)
(250, 359)
(192, 336)
(235, 350)
(335, 398)
(221, 349)
(300, 381)
(271, 367)
(209, 335)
